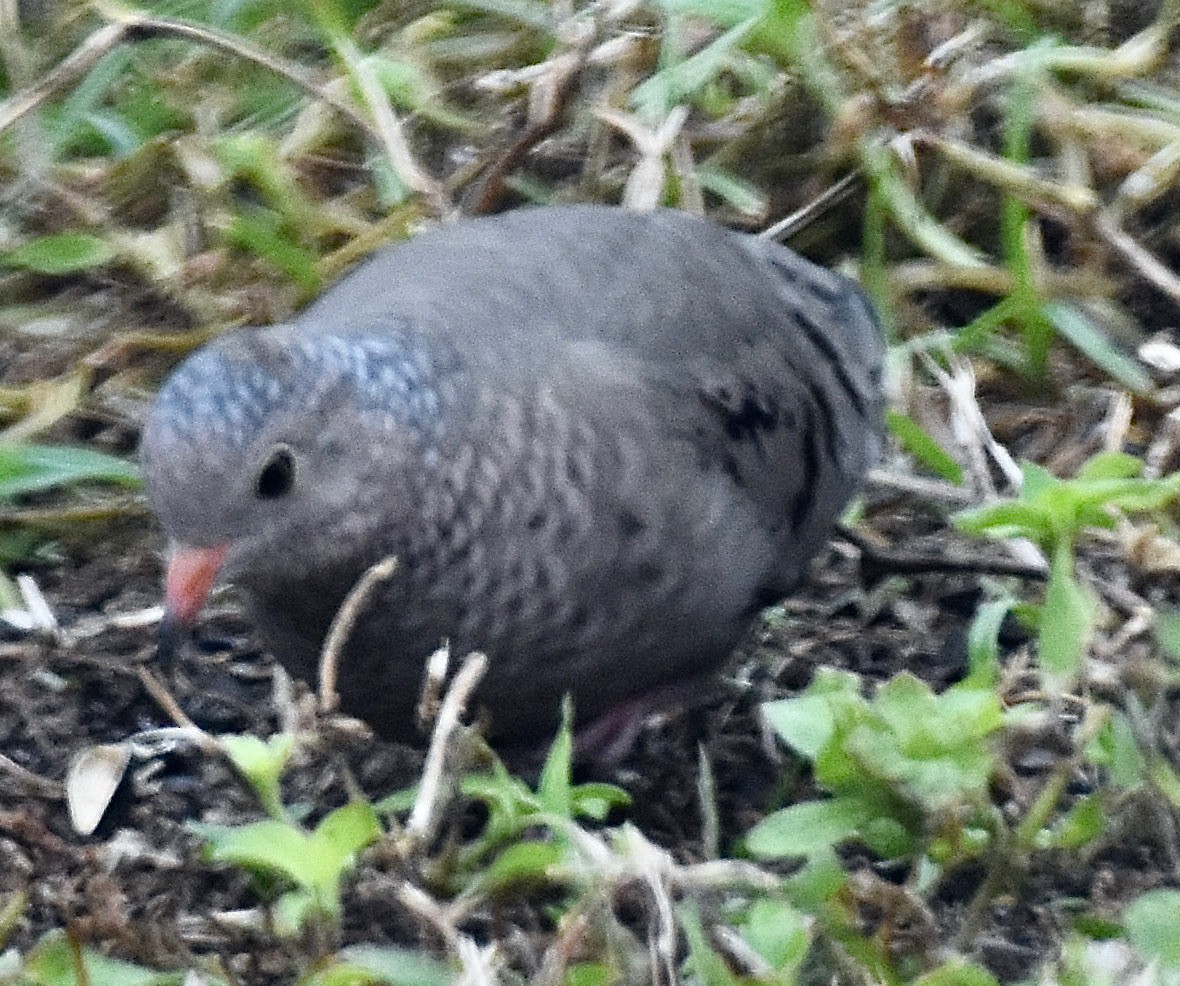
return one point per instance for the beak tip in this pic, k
(172, 632)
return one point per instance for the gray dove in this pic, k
(598, 443)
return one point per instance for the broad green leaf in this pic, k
(596, 800)
(273, 846)
(52, 962)
(804, 723)
(779, 933)
(590, 974)
(1111, 465)
(1081, 825)
(957, 972)
(389, 966)
(702, 965)
(1153, 925)
(339, 837)
(809, 827)
(1011, 518)
(60, 253)
(524, 862)
(27, 468)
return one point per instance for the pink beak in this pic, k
(191, 574)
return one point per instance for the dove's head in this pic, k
(275, 455)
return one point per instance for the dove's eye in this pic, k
(277, 475)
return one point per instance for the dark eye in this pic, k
(277, 476)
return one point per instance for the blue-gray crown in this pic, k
(234, 385)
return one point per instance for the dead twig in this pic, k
(883, 561)
(431, 794)
(1148, 265)
(803, 217)
(554, 88)
(342, 626)
(42, 787)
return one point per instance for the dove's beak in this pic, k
(191, 573)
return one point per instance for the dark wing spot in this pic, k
(630, 526)
(745, 418)
(649, 573)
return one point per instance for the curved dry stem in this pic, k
(432, 794)
(342, 626)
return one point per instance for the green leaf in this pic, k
(1152, 922)
(52, 963)
(1067, 621)
(28, 468)
(702, 965)
(805, 723)
(60, 253)
(271, 846)
(915, 440)
(1167, 632)
(956, 972)
(262, 763)
(523, 862)
(262, 232)
(1116, 749)
(983, 641)
(809, 827)
(779, 933)
(339, 837)
(595, 801)
(723, 13)
(1009, 519)
(676, 84)
(734, 191)
(1111, 465)
(1075, 326)
(529, 13)
(820, 880)
(1163, 775)
(1081, 825)
(911, 215)
(590, 974)
(364, 964)
(553, 789)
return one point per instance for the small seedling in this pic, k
(1054, 514)
(895, 766)
(308, 865)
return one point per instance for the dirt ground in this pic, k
(138, 888)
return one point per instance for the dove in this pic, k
(598, 443)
